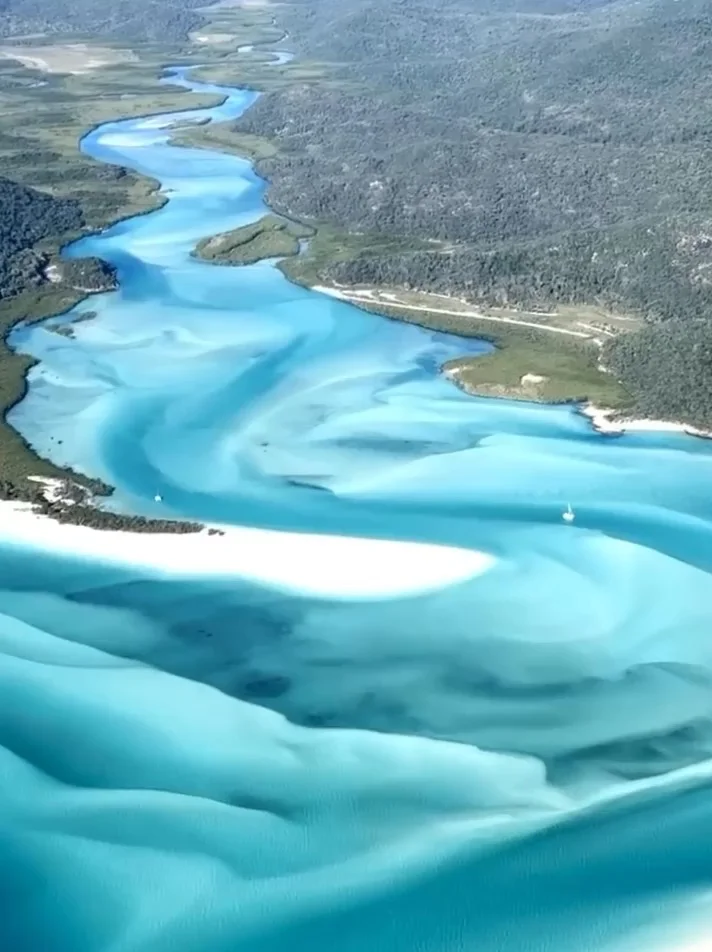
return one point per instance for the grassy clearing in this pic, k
(526, 367)
(246, 26)
(270, 237)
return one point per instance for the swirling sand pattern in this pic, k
(515, 757)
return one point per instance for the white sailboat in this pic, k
(568, 513)
(158, 498)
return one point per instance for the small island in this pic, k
(270, 237)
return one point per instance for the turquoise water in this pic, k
(519, 761)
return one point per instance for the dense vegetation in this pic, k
(26, 216)
(548, 150)
(668, 367)
(87, 274)
(143, 19)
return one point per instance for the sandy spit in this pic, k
(313, 565)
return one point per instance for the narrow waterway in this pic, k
(517, 758)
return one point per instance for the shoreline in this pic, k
(608, 421)
(612, 422)
(270, 237)
(55, 300)
(67, 501)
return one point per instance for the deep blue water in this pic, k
(515, 760)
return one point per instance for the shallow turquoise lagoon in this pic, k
(515, 758)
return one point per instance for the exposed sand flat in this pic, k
(74, 58)
(316, 565)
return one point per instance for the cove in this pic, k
(518, 758)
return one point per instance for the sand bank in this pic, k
(316, 565)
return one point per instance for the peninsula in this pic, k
(270, 237)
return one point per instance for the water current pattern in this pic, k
(417, 710)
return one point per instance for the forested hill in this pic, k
(558, 150)
(126, 19)
(550, 151)
(27, 216)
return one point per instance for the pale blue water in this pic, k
(520, 762)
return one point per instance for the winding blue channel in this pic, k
(518, 759)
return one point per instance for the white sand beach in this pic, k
(605, 421)
(313, 565)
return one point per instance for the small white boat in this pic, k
(158, 498)
(568, 514)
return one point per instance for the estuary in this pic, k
(415, 708)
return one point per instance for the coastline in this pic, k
(607, 421)
(67, 501)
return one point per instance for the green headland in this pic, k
(270, 237)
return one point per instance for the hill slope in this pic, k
(139, 19)
(553, 151)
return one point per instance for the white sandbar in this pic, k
(329, 566)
